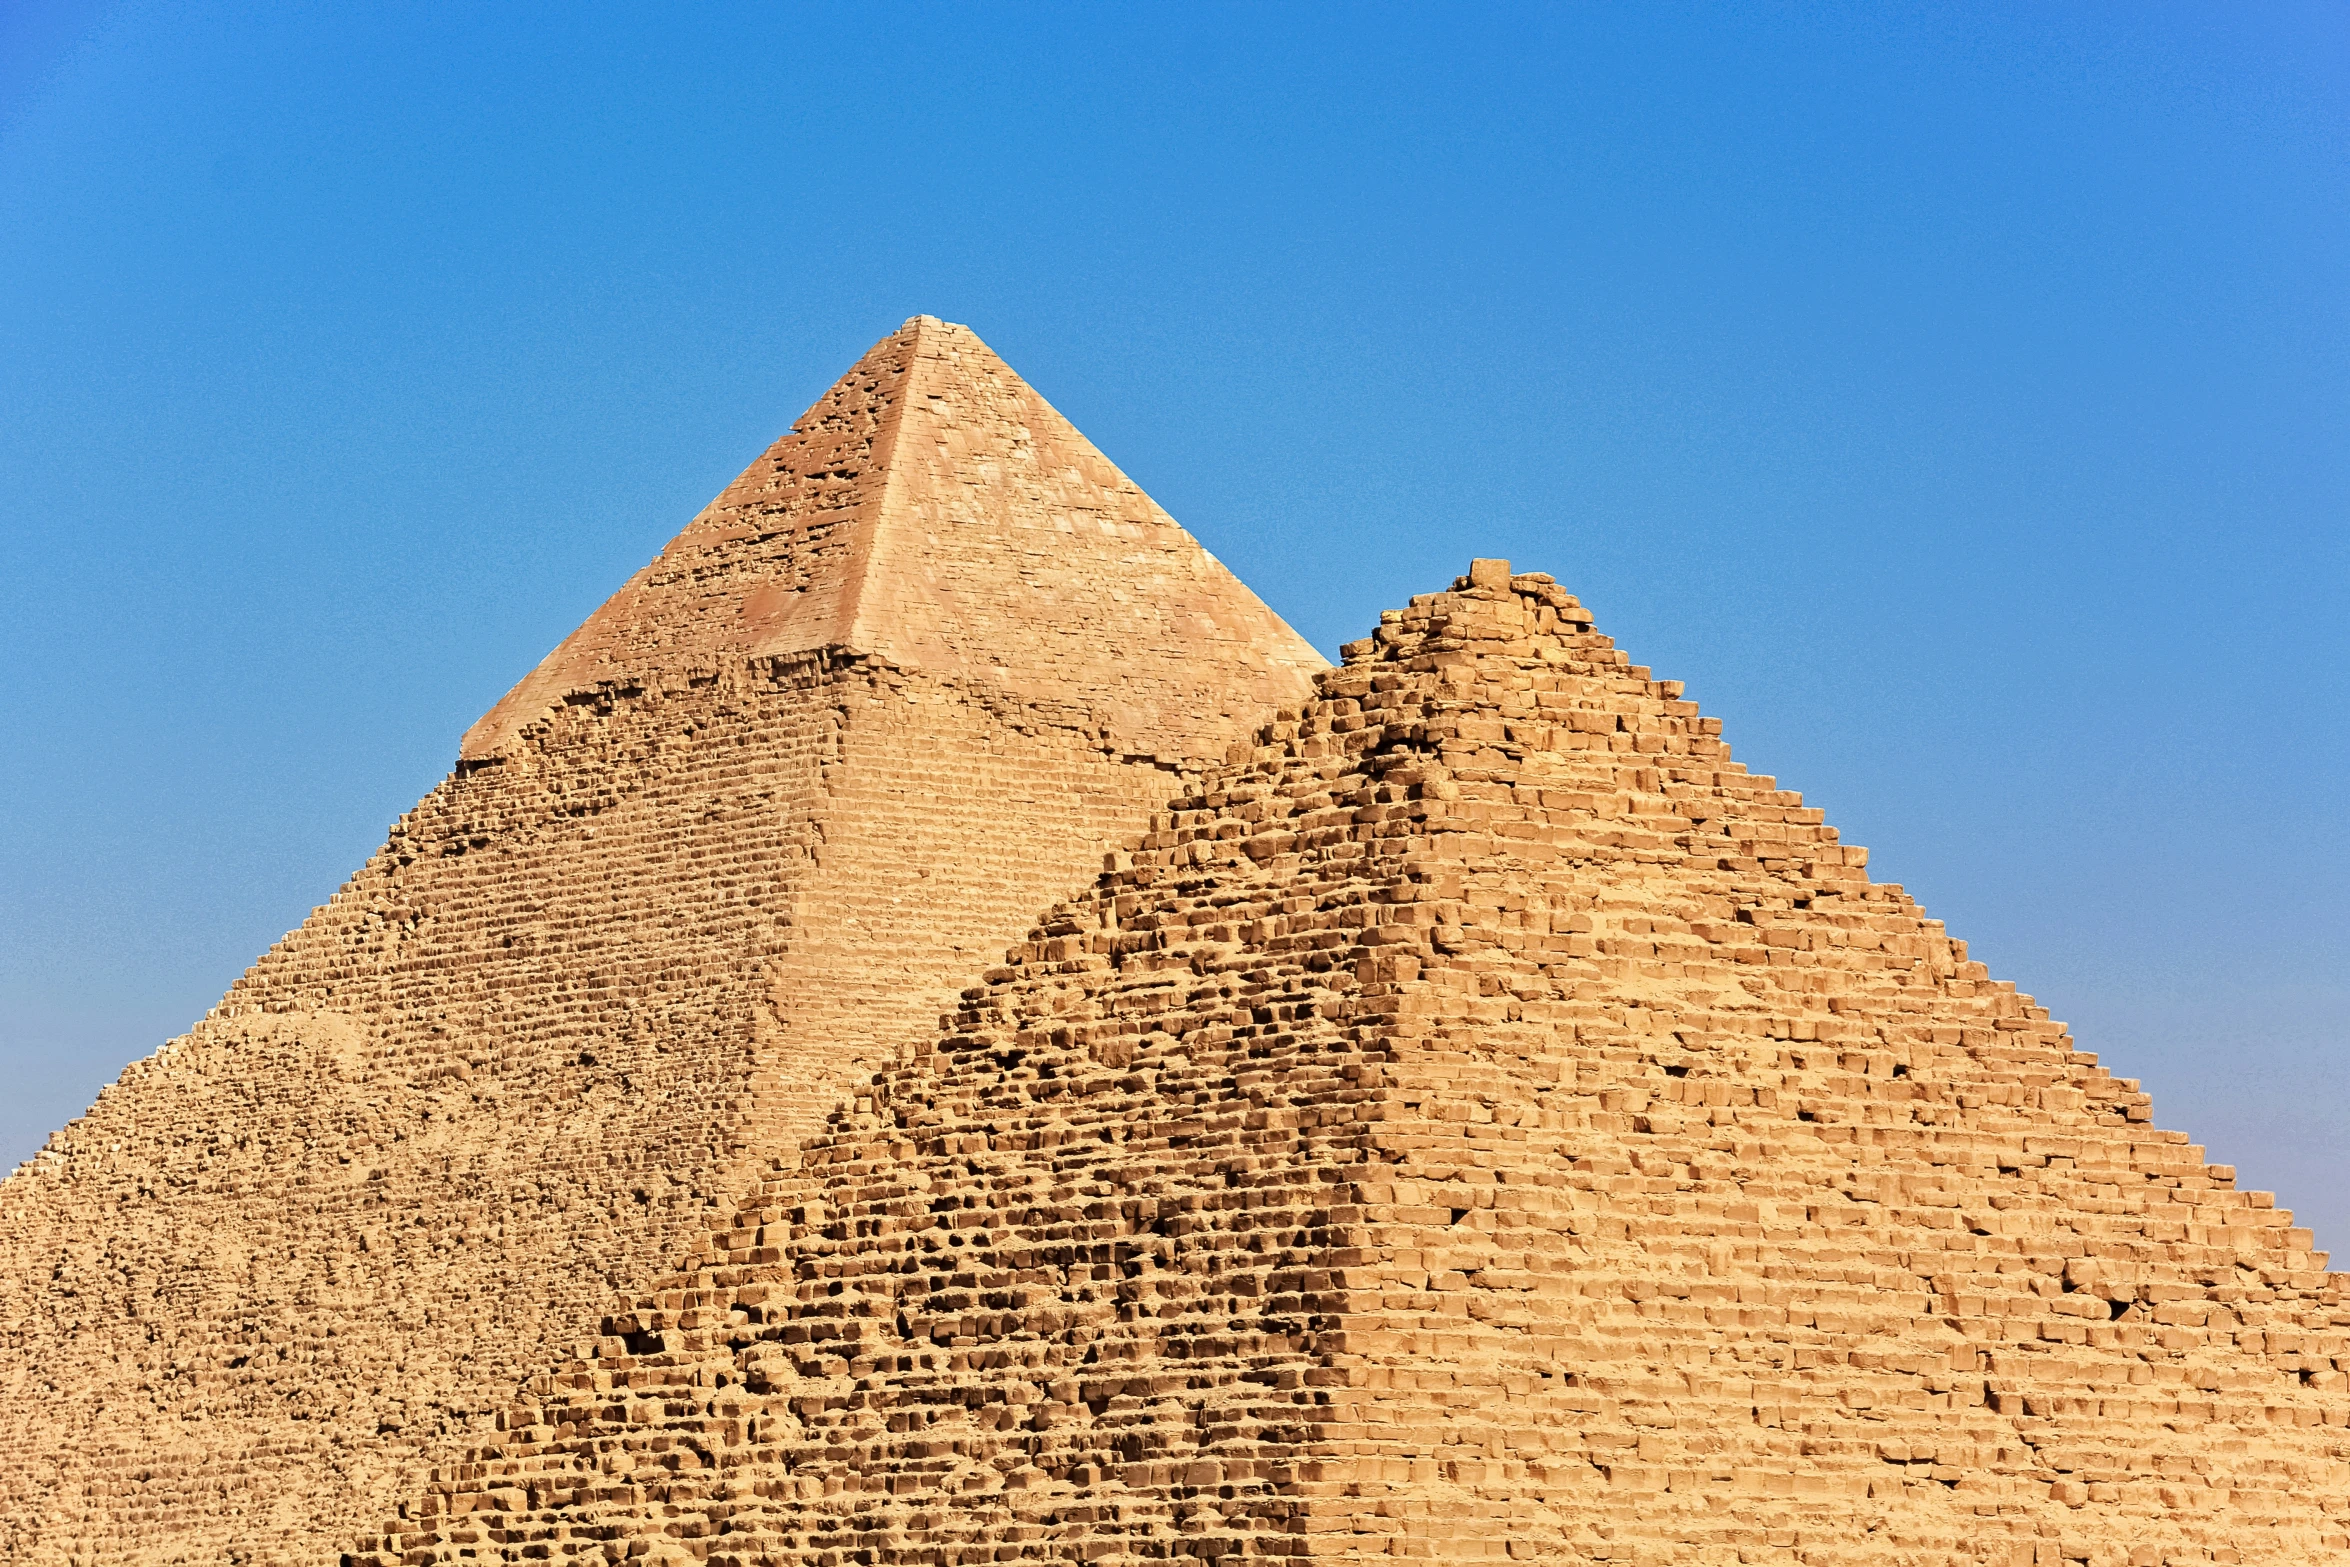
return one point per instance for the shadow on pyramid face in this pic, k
(1478, 1121)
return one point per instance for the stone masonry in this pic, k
(709, 867)
(1478, 1122)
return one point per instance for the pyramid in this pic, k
(734, 842)
(934, 512)
(1480, 1122)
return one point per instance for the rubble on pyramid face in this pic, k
(1480, 1121)
(708, 868)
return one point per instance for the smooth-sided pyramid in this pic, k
(1481, 1123)
(722, 854)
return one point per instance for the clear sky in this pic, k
(1956, 397)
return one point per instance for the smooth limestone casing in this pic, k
(695, 874)
(1482, 1123)
(933, 511)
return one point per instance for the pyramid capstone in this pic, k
(934, 511)
(729, 849)
(1478, 1122)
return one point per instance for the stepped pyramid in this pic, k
(736, 840)
(1481, 1122)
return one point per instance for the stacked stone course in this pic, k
(709, 866)
(1479, 1122)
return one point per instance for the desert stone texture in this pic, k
(1479, 1122)
(1468, 1117)
(698, 876)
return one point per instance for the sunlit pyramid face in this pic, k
(724, 854)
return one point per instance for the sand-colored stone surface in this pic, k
(932, 510)
(1481, 1122)
(716, 861)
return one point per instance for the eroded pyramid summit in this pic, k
(1479, 1122)
(729, 848)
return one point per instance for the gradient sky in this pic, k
(1957, 398)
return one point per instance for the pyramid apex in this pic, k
(933, 511)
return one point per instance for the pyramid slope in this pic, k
(607, 969)
(1483, 1124)
(932, 509)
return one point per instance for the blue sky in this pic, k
(1957, 398)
